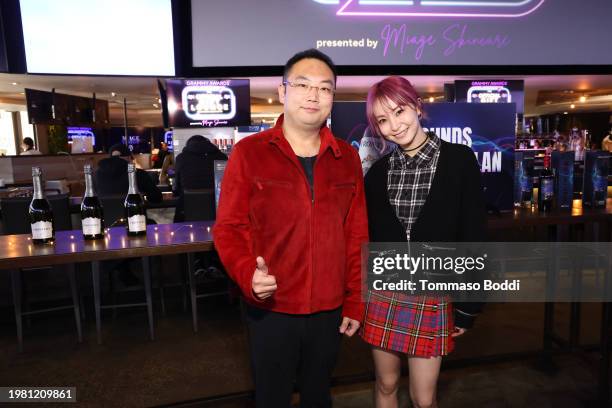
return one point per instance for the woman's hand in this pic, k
(458, 332)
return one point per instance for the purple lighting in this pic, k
(438, 8)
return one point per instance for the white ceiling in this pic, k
(141, 92)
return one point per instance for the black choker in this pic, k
(419, 146)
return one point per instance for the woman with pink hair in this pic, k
(425, 190)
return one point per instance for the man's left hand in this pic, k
(349, 326)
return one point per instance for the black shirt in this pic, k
(308, 164)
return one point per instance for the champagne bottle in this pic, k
(134, 207)
(92, 216)
(41, 216)
(547, 184)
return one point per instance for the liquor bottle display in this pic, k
(135, 212)
(92, 216)
(547, 187)
(41, 216)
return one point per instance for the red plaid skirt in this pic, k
(416, 325)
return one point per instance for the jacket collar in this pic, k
(328, 141)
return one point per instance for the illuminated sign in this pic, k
(435, 8)
(491, 91)
(489, 94)
(168, 140)
(209, 102)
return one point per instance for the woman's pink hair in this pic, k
(395, 89)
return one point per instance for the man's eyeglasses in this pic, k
(303, 89)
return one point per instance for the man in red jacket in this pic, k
(289, 230)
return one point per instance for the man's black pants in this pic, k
(287, 348)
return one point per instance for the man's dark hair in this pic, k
(28, 142)
(119, 149)
(196, 139)
(311, 53)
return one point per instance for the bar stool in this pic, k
(95, 270)
(113, 216)
(14, 218)
(199, 205)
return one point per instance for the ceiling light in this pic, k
(572, 106)
(14, 83)
(269, 100)
(565, 113)
(431, 99)
(583, 99)
(113, 94)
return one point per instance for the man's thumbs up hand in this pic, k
(263, 284)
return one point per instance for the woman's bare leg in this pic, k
(424, 373)
(388, 370)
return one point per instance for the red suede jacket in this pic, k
(311, 244)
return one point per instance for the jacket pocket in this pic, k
(342, 195)
(347, 185)
(262, 184)
(273, 204)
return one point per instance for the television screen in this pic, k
(39, 106)
(402, 32)
(82, 111)
(208, 103)
(491, 91)
(98, 37)
(101, 112)
(81, 139)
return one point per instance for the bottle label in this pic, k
(42, 230)
(547, 188)
(137, 223)
(92, 226)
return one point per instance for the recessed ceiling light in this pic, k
(14, 83)
(431, 99)
(572, 106)
(269, 100)
(583, 99)
(113, 94)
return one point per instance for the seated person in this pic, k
(194, 169)
(112, 177)
(27, 147)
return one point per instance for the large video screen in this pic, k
(98, 37)
(208, 102)
(403, 32)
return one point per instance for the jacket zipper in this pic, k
(312, 225)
